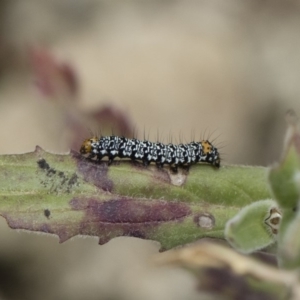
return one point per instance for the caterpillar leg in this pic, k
(110, 160)
(134, 161)
(99, 157)
(91, 156)
(186, 167)
(146, 163)
(159, 165)
(174, 168)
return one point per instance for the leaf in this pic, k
(254, 227)
(289, 251)
(285, 177)
(285, 184)
(284, 180)
(69, 195)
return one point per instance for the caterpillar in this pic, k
(147, 152)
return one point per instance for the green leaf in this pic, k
(284, 179)
(254, 227)
(69, 195)
(285, 184)
(289, 250)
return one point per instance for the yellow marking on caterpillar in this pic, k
(87, 145)
(206, 147)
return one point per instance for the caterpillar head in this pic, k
(211, 153)
(88, 145)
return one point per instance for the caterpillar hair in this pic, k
(147, 152)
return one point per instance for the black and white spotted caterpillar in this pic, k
(147, 152)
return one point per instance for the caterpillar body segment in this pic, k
(147, 152)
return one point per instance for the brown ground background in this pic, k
(230, 67)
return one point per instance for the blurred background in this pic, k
(221, 70)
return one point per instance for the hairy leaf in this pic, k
(254, 227)
(70, 195)
(285, 184)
